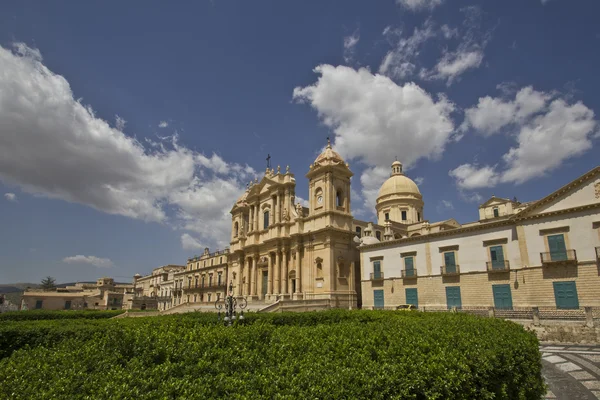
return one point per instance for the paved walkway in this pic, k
(571, 372)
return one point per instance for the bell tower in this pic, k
(329, 184)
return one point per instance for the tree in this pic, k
(48, 283)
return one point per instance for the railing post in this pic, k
(536, 316)
(589, 317)
(491, 312)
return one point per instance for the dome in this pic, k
(329, 155)
(399, 184)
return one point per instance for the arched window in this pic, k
(339, 199)
(387, 216)
(266, 219)
(235, 229)
(319, 270)
(358, 231)
(419, 217)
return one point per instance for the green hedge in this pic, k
(34, 315)
(324, 355)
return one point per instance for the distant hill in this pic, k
(16, 287)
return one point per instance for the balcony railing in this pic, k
(449, 270)
(498, 266)
(205, 287)
(376, 276)
(598, 253)
(163, 298)
(409, 273)
(559, 257)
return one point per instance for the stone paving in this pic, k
(571, 372)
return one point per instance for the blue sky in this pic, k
(127, 130)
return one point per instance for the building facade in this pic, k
(544, 253)
(156, 291)
(205, 277)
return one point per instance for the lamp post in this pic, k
(230, 304)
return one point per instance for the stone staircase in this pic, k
(208, 307)
(297, 305)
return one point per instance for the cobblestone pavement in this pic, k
(571, 372)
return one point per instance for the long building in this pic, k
(543, 253)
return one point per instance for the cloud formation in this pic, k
(541, 123)
(350, 43)
(53, 145)
(92, 260)
(163, 124)
(419, 5)
(10, 197)
(375, 120)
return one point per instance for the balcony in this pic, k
(559, 257)
(498, 266)
(409, 273)
(450, 270)
(376, 276)
(200, 288)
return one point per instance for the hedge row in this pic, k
(35, 315)
(325, 355)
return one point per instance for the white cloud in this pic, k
(350, 43)
(54, 146)
(163, 124)
(469, 176)
(10, 197)
(92, 260)
(547, 130)
(419, 180)
(444, 205)
(120, 123)
(399, 62)
(375, 120)
(190, 243)
(448, 32)
(418, 5)
(467, 55)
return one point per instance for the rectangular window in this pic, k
(409, 266)
(450, 261)
(358, 231)
(419, 217)
(496, 212)
(376, 269)
(196, 283)
(266, 220)
(378, 235)
(412, 297)
(565, 295)
(219, 279)
(210, 280)
(497, 257)
(556, 245)
(387, 216)
(378, 299)
(502, 297)
(68, 305)
(403, 215)
(453, 297)
(203, 280)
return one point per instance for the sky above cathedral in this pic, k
(129, 129)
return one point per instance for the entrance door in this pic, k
(265, 282)
(502, 297)
(453, 297)
(565, 294)
(411, 297)
(378, 300)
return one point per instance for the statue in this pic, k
(299, 210)
(287, 169)
(286, 215)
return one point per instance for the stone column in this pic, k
(251, 219)
(270, 275)
(286, 201)
(284, 279)
(252, 278)
(257, 217)
(277, 273)
(274, 209)
(298, 267)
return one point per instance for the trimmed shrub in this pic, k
(328, 355)
(36, 315)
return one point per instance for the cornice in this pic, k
(557, 212)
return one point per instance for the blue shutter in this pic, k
(378, 299)
(497, 256)
(565, 294)
(453, 298)
(409, 266)
(450, 261)
(502, 297)
(376, 269)
(412, 297)
(558, 250)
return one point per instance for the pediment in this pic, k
(583, 191)
(493, 201)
